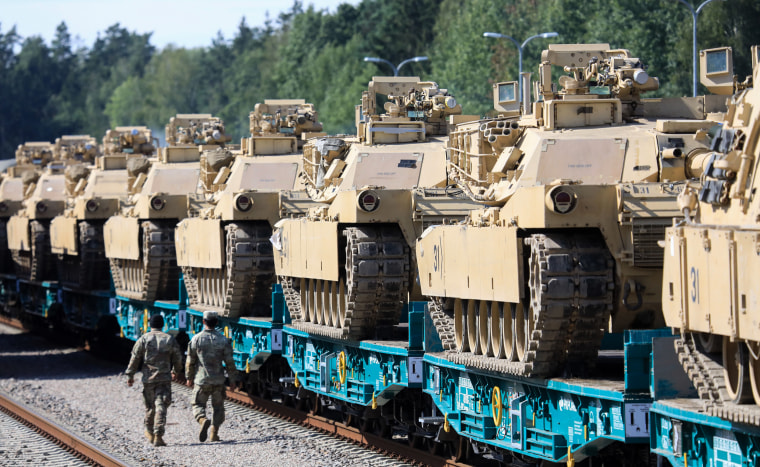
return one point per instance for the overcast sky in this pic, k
(185, 23)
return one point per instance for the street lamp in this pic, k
(543, 35)
(394, 67)
(694, 14)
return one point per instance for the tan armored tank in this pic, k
(139, 241)
(44, 198)
(346, 268)
(581, 188)
(93, 195)
(710, 291)
(231, 270)
(30, 157)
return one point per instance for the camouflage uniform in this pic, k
(156, 353)
(205, 354)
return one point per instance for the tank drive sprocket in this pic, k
(243, 285)
(370, 290)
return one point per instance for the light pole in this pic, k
(543, 35)
(394, 67)
(694, 14)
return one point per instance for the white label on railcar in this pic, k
(112, 306)
(182, 319)
(276, 339)
(415, 369)
(637, 420)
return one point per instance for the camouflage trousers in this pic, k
(157, 398)
(201, 395)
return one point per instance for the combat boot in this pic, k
(214, 434)
(149, 435)
(203, 433)
(159, 441)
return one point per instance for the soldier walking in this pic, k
(205, 354)
(157, 355)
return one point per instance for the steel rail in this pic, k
(334, 428)
(60, 436)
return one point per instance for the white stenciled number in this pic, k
(694, 275)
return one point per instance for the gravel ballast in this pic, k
(90, 397)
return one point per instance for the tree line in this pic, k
(50, 89)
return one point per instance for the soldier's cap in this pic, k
(210, 316)
(156, 321)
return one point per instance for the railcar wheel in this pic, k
(736, 371)
(460, 326)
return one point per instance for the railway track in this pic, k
(384, 446)
(56, 444)
(368, 448)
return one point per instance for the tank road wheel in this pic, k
(736, 368)
(496, 330)
(473, 333)
(342, 303)
(483, 330)
(708, 342)
(754, 369)
(522, 328)
(460, 326)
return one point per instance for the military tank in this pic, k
(44, 198)
(94, 192)
(579, 188)
(30, 157)
(347, 267)
(711, 256)
(139, 240)
(232, 270)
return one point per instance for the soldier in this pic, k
(205, 354)
(156, 353)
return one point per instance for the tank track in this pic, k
(706, 375)
(571, 285)
(35, 264)
(6, 265)
(155, 275)
(88, 269)
(246, 277)
(377, 282)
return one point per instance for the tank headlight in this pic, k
(41, 207)
(561, 199)
(3, 207)
(243, 203)
(91, 205)
(157, 203)
(451, 102)
(368, 201)
(641, 77)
